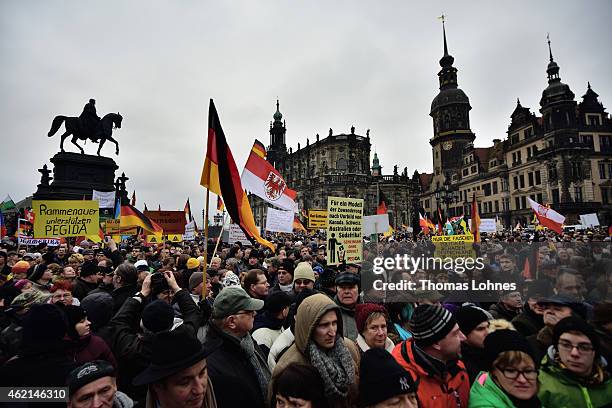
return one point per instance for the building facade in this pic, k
(562, 158)
(337, 165)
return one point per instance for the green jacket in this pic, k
(486, 394)
(559, 388)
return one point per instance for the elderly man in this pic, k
(237, 367)
(347, 296)
(94, 385)
(178, 374)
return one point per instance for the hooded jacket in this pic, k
(311, 311)
(486, 394)
(449, 390)
(560, 388)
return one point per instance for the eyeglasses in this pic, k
(512, 373)
(581, 347)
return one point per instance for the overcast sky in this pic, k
(331, 63)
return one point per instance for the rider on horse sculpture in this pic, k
(90, 121)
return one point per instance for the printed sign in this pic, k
(66, 218)
(190, 233)
(172, 222)
(105, 198)
(344, 230)
(488, 225)
(237, 235)
(454, 246)
(154, 239)
(113, 227)
(175, 237)
(279, 220)
(317, 219)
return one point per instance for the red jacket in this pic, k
(452, 391)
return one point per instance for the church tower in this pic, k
(278, 148)
(450, 111)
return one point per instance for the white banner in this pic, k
(236, 235)
(38, 241)
(279, 220)
(189, 234)
(488, 225)
(105, 198)
(375, 224)
(589, 220)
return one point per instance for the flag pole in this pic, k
(205, 244)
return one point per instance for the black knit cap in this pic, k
(468, 317)
(430, 324)
(277, 301)
(381, 377)
(158, 316)
(88, 373)
(287, 265)
(576, 324)
(506, 340)
(89, 268)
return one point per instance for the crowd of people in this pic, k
(125, 324)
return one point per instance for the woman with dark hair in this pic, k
(298, 385)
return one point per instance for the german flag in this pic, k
(475, 219)
(131, 217)
(297, 224)
(382, 203)
(220, 206)
(221, 176)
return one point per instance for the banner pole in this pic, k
(205, 244)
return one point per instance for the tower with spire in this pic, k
(278, 129)
(376, 167)
(450, 111)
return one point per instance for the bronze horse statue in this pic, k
(104, 130)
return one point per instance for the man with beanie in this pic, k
(383, 382)
(303, 277)
(327, 282)
(94, 384)
(87, 281)
(284, 278)
(473, 323)
(347, 296)
(270, 326)
(432, 358)
(132, 347)
(573, 372)
(41, 360)
(237, 367)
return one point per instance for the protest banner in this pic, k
(488, 225)
(279, 220)
(375, 224)
(66, 218)
(38, 241)
(317, 219)
(172, 222)
(113, 227)
(344, 230)
(237, 235)
(154, 239)
(189, 234)
(589, 220)
(105, 198)
(175, 237)
(454, 246)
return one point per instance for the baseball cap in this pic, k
(233, 299)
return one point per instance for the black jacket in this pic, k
(474, 359)
(528, 323)
(81, 288)
(120, 295)
(234, 379)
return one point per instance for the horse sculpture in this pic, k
(104, 130)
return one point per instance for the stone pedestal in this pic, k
(75, 175)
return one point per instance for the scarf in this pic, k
(261, 370)
(335, 367)
(286, 288)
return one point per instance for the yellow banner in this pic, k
(65, 218)
(113, 227)
(154, 239)
(175, 237)
(454, 246)
(452, 238)
(344, 230)
(317, 219)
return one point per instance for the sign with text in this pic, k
(172, 222)
(113, 227)
(190, 232)
(66, 218)
(454, 246)
(317, 219)
(105, 198)
(488, 225)
(279, 220)
(344, 230)
(237, 235)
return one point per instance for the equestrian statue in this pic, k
(88, 126)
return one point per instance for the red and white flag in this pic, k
(262, 179)
(547, 217)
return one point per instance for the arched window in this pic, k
(341, 163)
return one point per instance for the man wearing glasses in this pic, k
(573, 372)
(237, 368)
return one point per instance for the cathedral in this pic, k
(561, 158)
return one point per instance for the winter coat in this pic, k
(363, 346)
(528, 322)
(305, 323)
(540, 342)
(500, 311)
(279, 347)
(349, 326)
(266, 331)
(474, 359)
(122, 401)
(133, 349)
(88, 348)
(81, 288)
(120, 295)
(436, 389)
(560, 388)
(486, 394)
(232, 375)
(10, 339)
